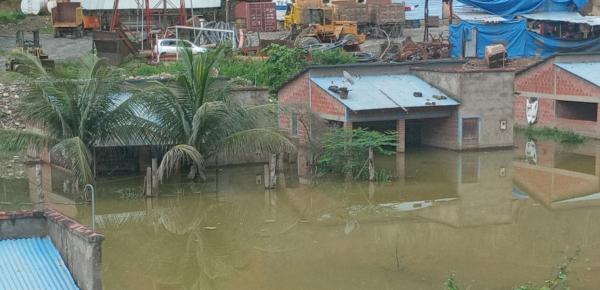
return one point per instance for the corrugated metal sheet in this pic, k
(469, 13)
(385, 92)
(33, 263)
(589, 71)
(136, 4)
(570, 17)
(435, 8)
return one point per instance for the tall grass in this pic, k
(7, 17)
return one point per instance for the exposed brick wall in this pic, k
(326, 105)
(571, 85)
(541, 82)
(538, 79)
(401, 130)
(440, 132)
(294, 97)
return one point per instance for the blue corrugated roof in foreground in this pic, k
(385, 92)
(33, 263)
(589, 71)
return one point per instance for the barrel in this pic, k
(34, 7)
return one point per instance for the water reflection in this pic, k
(496, 219)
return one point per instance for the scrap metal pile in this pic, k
(409, 50)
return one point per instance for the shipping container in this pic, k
(259, 16)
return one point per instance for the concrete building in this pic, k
(43, 249)
(435, 103)
(562, 91)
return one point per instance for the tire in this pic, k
(349, 39)
(308, 42)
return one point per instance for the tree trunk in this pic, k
(371, 165)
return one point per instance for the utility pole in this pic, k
(426, 32)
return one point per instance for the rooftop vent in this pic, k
(418, 94)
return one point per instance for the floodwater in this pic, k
(495, 219)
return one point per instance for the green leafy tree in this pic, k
(199, 120)
(345, 151)
(282, 64)
(70, 109)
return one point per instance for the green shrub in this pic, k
(11, 17)
(346, 151)
(569, 137)
(332, 56)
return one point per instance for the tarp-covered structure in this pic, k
(486, 22)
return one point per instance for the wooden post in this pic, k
(148, 182)
(154, 177)
(272, 167)
(281, 170)
(371, 165)
(266, 178)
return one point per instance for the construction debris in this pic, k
(495, 55)
(408, 50)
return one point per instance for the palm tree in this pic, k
(201, 121)
(70, 109)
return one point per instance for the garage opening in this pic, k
(577, 110)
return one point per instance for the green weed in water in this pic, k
(568, 137)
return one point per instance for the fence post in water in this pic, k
(371, 165)
(272, 167)
(148, 182)
(280, 170)
(266, 178)
(154, 177)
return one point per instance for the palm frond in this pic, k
(256, 140)
(209, 114)
(30, 65)
(176, 157)
(11, 139)
(74, 155)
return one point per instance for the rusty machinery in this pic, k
(31, 46)
(312, 26)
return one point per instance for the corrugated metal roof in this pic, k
(33, 263)
(435, 8)
(136, 4)
(589, 71)
(470, 13)
(564, 16)
(385, 92)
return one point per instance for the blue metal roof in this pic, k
(385, 92)
(33, 263)
(585, 70)
(564, 16)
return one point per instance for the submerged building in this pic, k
(561, 92)
(43, 249)
(436, 103)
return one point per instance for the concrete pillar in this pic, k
(401, 129)
(400, 165)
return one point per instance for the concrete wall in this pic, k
(78, 245)
(487, 95)
(22, 225)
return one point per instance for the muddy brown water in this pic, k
(495, 219)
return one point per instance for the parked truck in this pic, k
(67, 19)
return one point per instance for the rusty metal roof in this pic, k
(564, 16)
(470, 13)
(374, 92)
(585, 70)
(33, 263)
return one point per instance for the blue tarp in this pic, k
(512, 8)
(518, 40)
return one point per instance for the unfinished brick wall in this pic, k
(294, 97)
(440, 132)
(551, 83)
(325, 105)
(538, 79)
